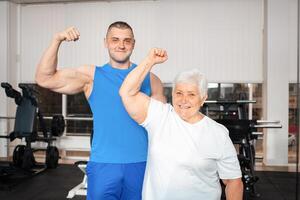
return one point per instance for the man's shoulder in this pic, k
(87, 70)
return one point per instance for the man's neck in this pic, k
(118, 65)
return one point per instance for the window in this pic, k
(79, 127)
(50, 103)
(79, 121)
(292, 123)
(77, 106)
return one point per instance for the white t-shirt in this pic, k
(186, 161)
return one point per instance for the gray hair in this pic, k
(193, 76)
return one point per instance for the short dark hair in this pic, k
(120, 25)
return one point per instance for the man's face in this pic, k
(120, 44)
(187, 101)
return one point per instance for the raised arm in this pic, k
(68, 81)
(136, 102)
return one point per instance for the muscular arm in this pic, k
(233, 189)
(135, 102)
(68, 81)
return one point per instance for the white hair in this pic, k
(193, 76)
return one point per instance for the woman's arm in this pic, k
(135, 102)
(233, 189)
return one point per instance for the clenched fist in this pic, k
(157, 56)
(70, 34)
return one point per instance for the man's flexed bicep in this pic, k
(68, 81)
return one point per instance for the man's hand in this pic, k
(157, 56)
(70, 34)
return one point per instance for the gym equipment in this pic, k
(57, 125)
(227, 108)
(81, 188)
(52, 156)
(27, 119)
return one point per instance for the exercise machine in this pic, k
(28, 121)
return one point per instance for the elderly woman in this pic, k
(188, 152)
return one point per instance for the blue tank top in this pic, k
(117, 137)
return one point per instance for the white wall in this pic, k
(221, 37)
(4, 6)
(276, 79)
(8, 65)
(9, 49)
(13, 43)
(292, 40)
(3, 74)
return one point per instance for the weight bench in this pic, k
(81, 188)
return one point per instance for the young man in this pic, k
(119, 147)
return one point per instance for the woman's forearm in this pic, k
(234, 189)
(132, 83)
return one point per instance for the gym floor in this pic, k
(54, 184)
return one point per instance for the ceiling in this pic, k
(58, 1)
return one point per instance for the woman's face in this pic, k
(187, 101)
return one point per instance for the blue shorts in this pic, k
(107, 181)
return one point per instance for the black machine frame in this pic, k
(28, 118)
